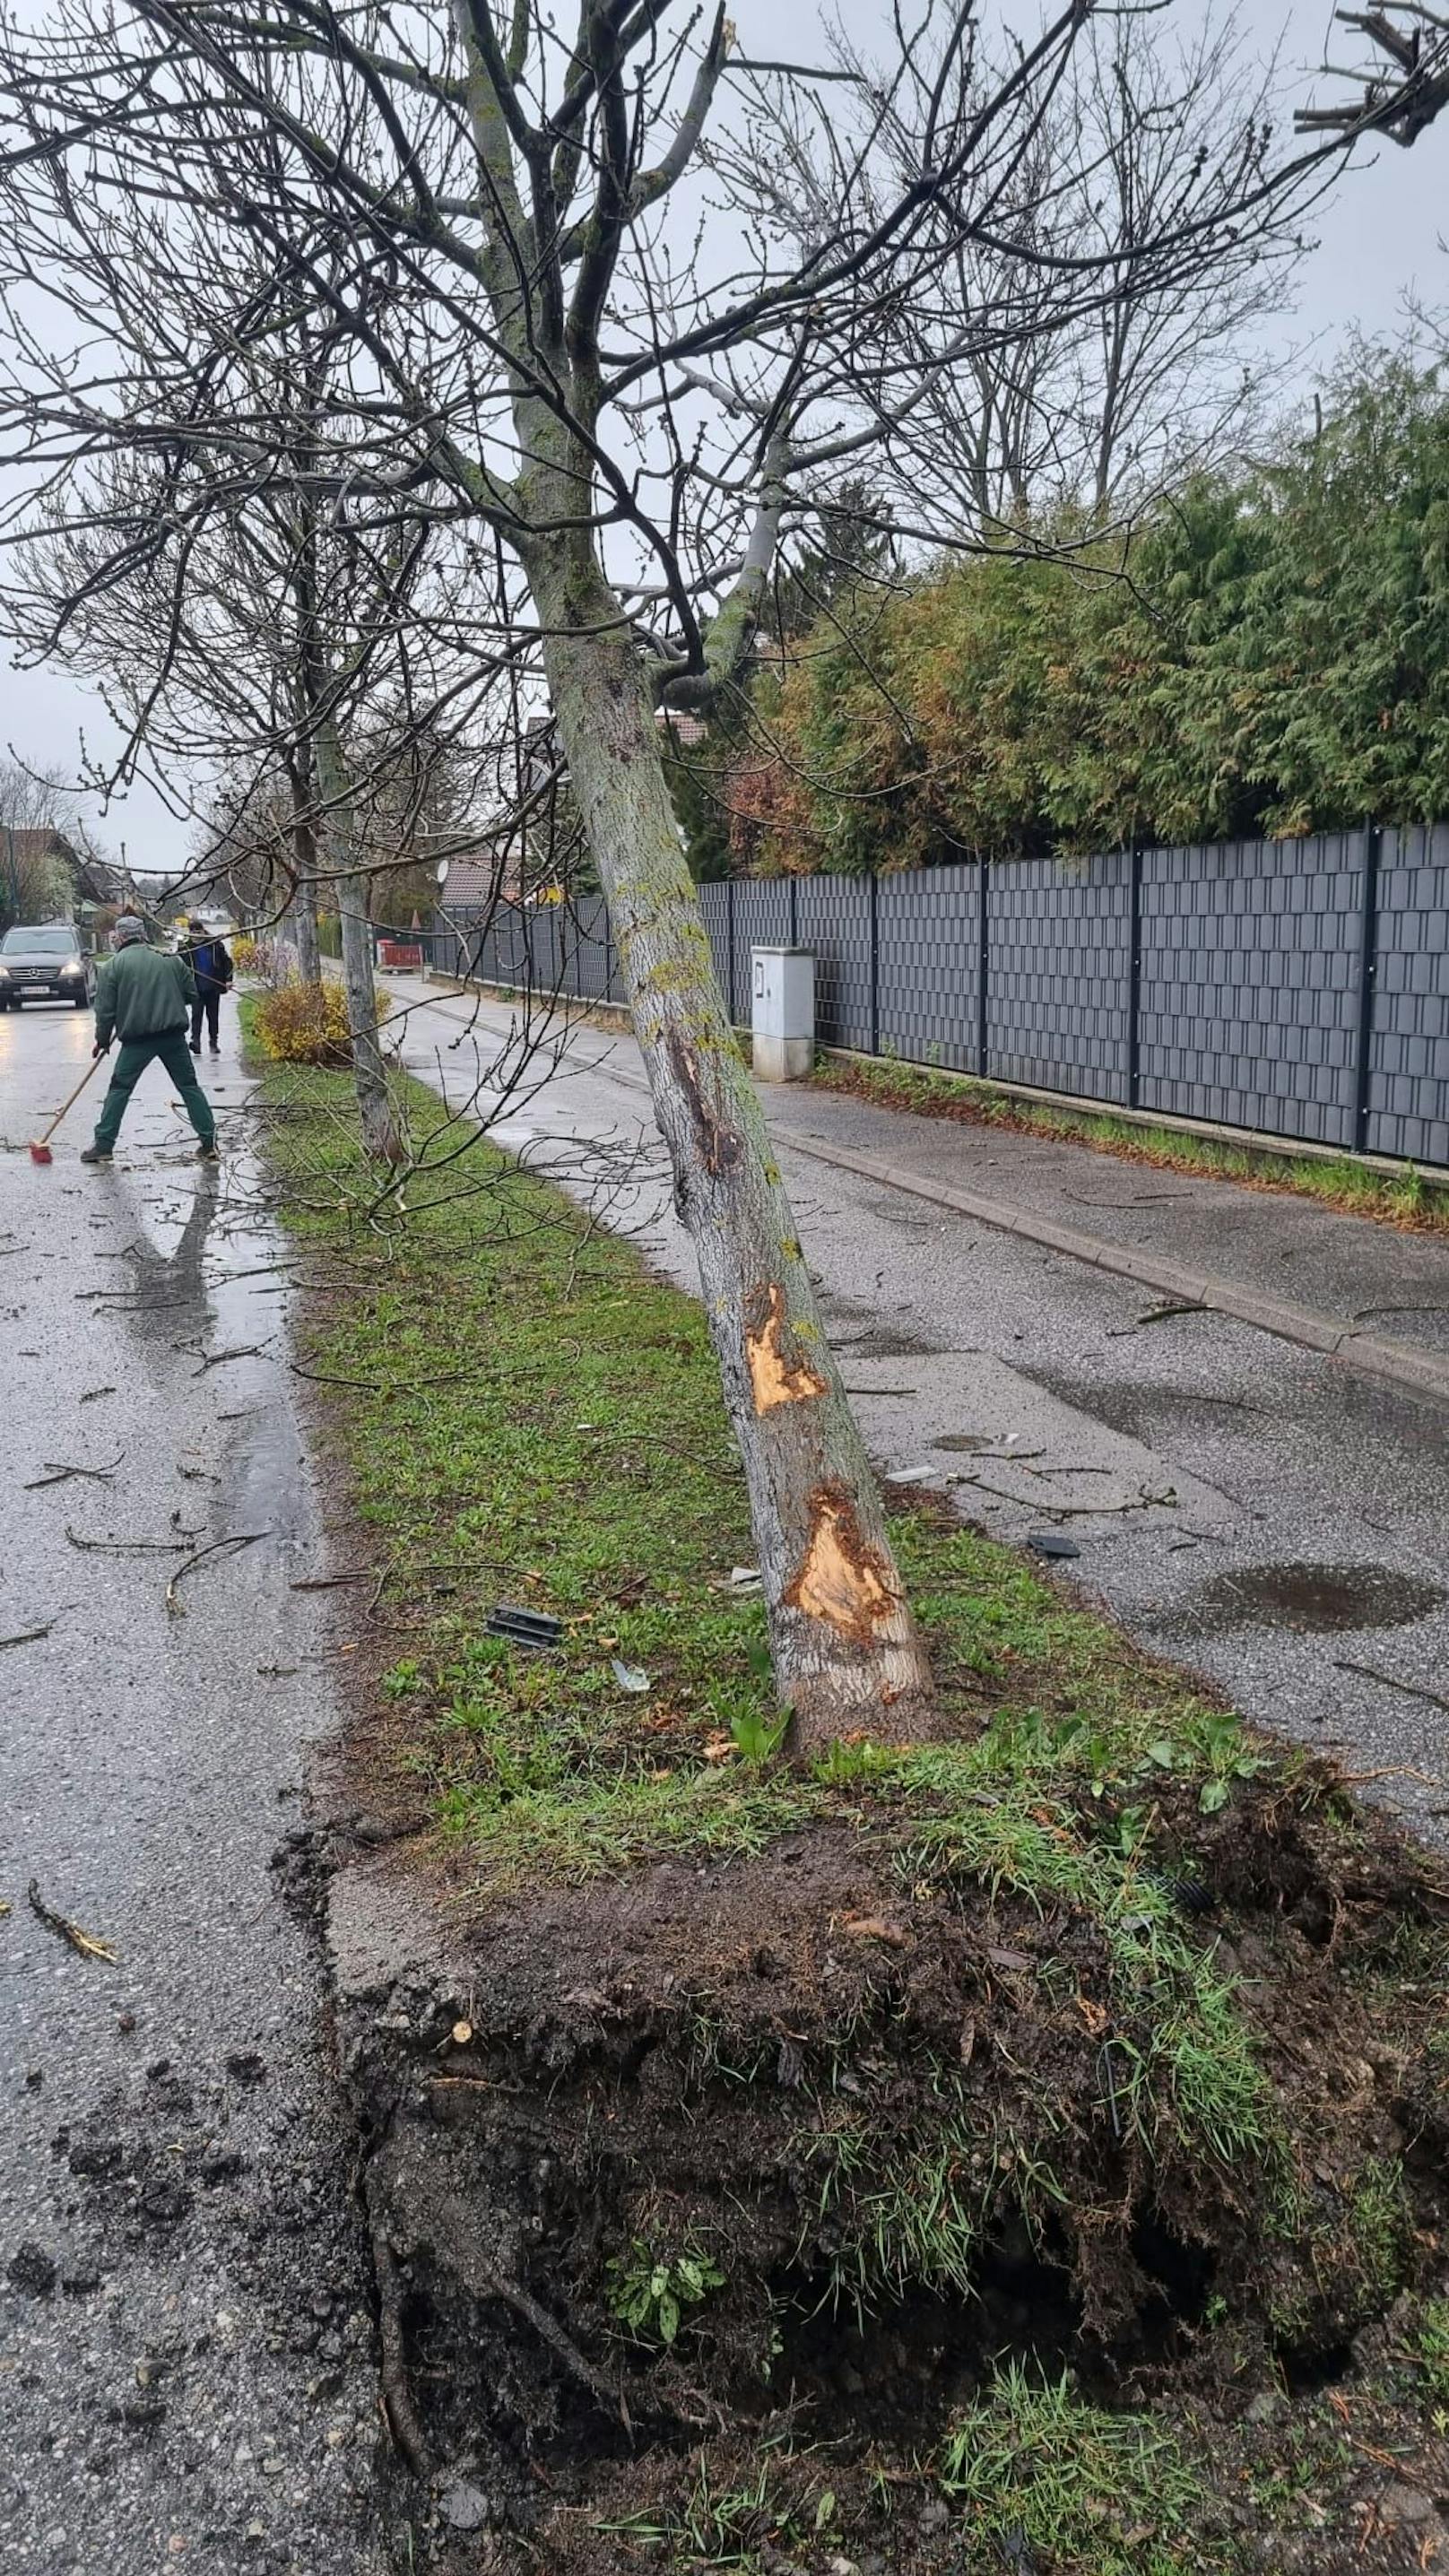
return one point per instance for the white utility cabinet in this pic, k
(782, 1013)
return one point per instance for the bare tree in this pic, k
(627, 429)
(1148, 134)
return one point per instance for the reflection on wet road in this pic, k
(150, 1760)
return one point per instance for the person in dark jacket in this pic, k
(143, 998)
(212, 968)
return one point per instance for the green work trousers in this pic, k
(172, 1053)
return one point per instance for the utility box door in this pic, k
(782, 1013)
(782, 990)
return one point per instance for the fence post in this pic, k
(983, 961)
(730, 944)
(874, 883)
(794, 912)
(1368, 943)
(1134, 984)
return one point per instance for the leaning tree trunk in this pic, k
(380, 1136)
(304, 893)
(304, 922)
(847, 1652)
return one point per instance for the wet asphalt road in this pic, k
(1240, 1503)
(186, 2365)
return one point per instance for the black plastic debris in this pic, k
(536, 1628)
(1051, 1543)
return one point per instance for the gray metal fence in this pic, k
(1297, 987)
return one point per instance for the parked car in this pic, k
(45, 962)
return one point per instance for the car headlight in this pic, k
(4, 974)
(71, 969)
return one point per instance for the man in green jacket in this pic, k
(144, 998)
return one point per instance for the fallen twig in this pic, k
(1393, 1771)
(382, 1386)
(218, 1546)
(129, 1546)
(93, 1394)
(1390, 1681)
(329, 1582)
(218, 1359)
(57, 1470)
(85, 1942)
(28, 1636)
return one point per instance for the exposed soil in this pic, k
(684, 2060)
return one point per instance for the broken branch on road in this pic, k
(1390, 1681)
(87, 1943)
(57, 1471)
(29, 1636)
(218, 1547)
(218, 1359)
(129, 1546)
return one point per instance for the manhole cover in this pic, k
(1314, 1598)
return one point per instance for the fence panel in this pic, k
(1251, 1003)
(929, 936)
(1408, 1074)
(1059, 974)
(1249, 986)
(586, 929)
(832, 917)
(714, 908)
(762, 920)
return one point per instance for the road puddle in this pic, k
(1314, 1599)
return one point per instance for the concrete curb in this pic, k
(1336, 1337)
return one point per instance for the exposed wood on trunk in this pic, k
(847, 1652)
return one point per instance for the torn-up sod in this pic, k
(1025, 2151)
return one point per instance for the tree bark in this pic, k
(304, 845)
(380, 1138)
(847, 1652)
(304, 922)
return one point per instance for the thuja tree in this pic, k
(632, 366)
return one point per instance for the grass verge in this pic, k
(548, 1429)
(1409, 1200)
(1035, 2043)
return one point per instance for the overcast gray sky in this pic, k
(1380, 237)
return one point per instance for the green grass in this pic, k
(1407, 1199)
(527, 1416)
(1429, 2351)
(1030, 2463)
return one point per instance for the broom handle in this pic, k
(70, 1104)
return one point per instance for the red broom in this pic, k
(40, 1149)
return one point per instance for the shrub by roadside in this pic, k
(819, 2122)
(299, 1023)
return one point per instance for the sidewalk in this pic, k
(1371, 1296)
